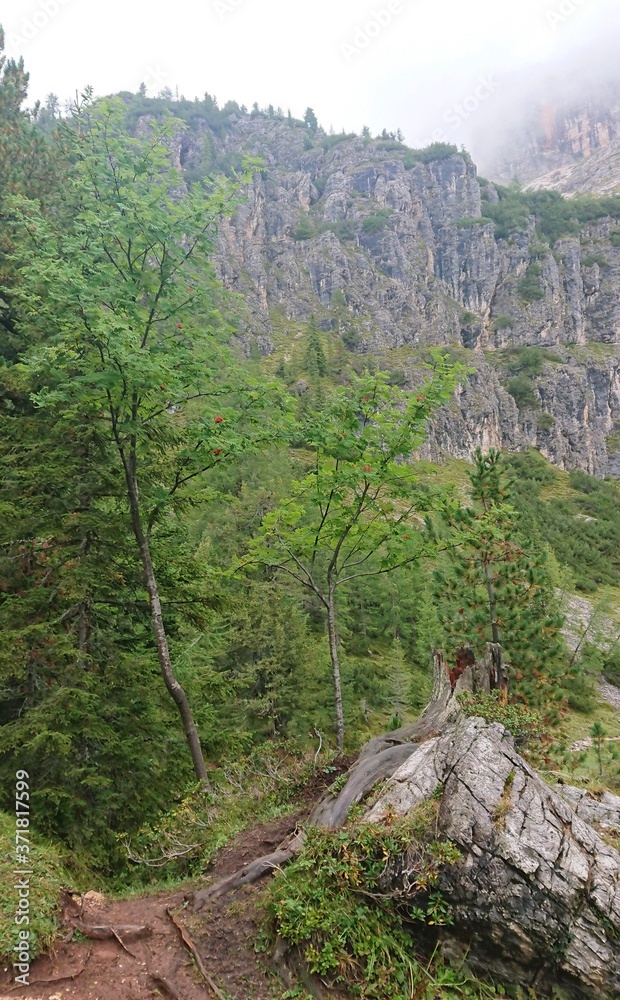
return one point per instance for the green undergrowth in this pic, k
(528, 727)
(555, 216)
(575, 515)
(263, 785)
(363, 907)
(50, 875)
(596, 767)
(559, 752)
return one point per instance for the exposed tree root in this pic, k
(378, 760)
(103, 932)
(189, 944)
(248, 874)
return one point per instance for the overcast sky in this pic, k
(425, 66)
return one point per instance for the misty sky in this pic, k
(428, 67)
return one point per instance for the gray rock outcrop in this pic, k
(536, 897)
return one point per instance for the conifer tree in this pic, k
(268, 655)
(315, 362)
(310, 120)
(496, 587)
(28, 168)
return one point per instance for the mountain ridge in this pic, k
(390, 252)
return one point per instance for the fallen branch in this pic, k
(187, 941)
(105, 932)
(177, 850)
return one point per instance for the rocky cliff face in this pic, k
(570, 146)
(391, 252)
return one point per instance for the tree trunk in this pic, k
(492, 603)
(175, 690)
(333, 652)
(83, 631)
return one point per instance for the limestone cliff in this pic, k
(390, 251)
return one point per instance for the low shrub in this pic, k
(258, 786)
(352, 900)
(522, 391)
(555, 215)
(530, 287)
(530, 360)
(375, 223)
(545, 422)
(334, 140)
(305, 229)
(344, 229)
(526, 726)
(593, 259)
(436, 151)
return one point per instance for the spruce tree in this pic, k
(28, 167)
(310, 120)
(315, 362)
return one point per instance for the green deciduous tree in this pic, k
(124, 301)
(354, 514)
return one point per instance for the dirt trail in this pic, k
(225, 935)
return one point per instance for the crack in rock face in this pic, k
(536, 897)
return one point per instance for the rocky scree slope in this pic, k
(390, 250)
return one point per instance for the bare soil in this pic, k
(225, 935)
